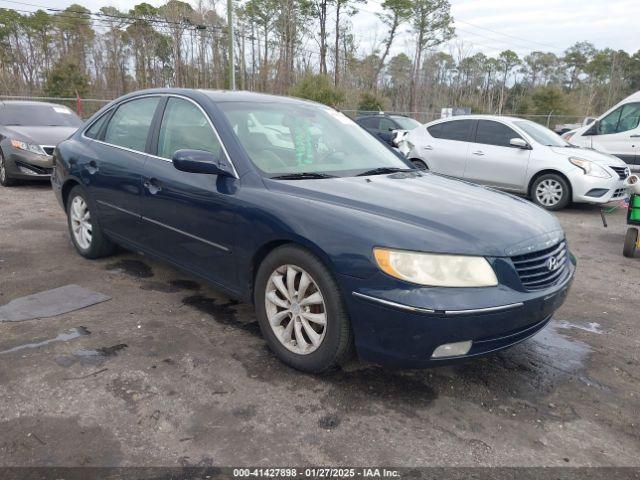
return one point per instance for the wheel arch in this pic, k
(546, 172)
(66, 189)
(266, 248)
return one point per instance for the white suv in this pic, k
(519, 156)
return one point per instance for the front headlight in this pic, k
(436, 270)
(590, 168)
(29, 147)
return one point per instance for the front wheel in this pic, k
(551, 192)
(85, 231)
(5, 180)
(630, 243)
(300, 310)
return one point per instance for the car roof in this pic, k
(498, 118)
(29, 103)
(220, 96)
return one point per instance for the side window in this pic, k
(621, 119)
(454, 130)
(370, 122)
(387, 125)
(184, 126)
(94, 130)
(129, 126)
(494, 133)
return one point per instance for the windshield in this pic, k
(286, 138)
(406, 123)
(38, 115)
(541, 134)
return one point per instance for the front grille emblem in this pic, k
(552, 264)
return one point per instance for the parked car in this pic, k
(337, 242)
(386, 127)
(563, 128)
(29, 131)
(519, 156)
(616, 132)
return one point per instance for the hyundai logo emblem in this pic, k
(552, 264)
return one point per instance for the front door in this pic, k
(493, 160)
(188, 218)
(112, 165)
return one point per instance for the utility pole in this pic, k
(232, 69)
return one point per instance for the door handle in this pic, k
(428, 147)
(635, 136)
(92, 167)
(152, 185)
(479, 152)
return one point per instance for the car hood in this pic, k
(589, 154)
(44, 135)
(451, 216)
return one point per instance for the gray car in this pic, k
(29, 132)
(517, 155)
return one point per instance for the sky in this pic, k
(487, 26)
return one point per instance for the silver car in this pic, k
(519, 156)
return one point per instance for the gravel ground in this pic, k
(169, 372)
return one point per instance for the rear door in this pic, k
(112, 164)
(618, 133)
(492, 159)
(446, 145)
(188, 218)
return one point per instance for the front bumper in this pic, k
(24, 165)
(403, 328)
(587, 189)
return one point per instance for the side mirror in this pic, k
(594, 129)
(199, 161)
(519, 143)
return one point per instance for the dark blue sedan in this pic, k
(337, 241)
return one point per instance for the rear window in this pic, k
(454, 130)
(38, 115)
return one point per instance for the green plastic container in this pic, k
(634, 214)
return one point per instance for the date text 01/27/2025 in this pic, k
(315, 472)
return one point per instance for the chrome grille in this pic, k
(623, 172)
(541, 269)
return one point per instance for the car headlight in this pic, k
(436, 270)
(590, 168)
(29, 147)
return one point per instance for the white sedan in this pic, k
(519, 156)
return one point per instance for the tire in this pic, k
(5, 179)
(551, 192)
(419, 164)
(630, 243)
(333, 340)
(95, 244)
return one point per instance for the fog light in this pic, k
(452, 349)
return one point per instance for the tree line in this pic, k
(306, 48)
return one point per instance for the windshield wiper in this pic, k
(383, 170)
(303, 176)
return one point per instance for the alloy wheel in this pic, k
(295, 309)
(3, 170)
(549, 192)
(81, 222)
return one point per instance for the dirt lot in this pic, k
(169, 372)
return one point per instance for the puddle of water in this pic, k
(62, 337)
(135, 268)
(100, 353)
(591, 327)
(559, 351)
